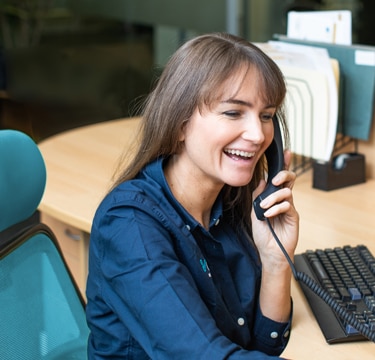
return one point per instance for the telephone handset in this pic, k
(275, 159)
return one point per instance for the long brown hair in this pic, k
(190, 80)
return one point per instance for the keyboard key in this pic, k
(350, 330)
(355, 294)
(351, 306)
(365, 292)
(319, 270)
(344, 293)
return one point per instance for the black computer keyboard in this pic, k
(348, 274)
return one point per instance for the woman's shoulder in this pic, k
(148, 186)
(135, 193)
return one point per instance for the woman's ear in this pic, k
(181, 137)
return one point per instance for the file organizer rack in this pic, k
(356, 114)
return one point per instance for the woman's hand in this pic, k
(283, 217)
(275, 293)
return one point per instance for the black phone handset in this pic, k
(275, 160)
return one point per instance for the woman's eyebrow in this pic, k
(245, 103)
(237, 102)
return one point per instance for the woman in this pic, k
(179, 266)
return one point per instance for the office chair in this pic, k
(42, 311)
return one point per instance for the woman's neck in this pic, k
(194, 194)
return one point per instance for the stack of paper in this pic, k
(312, 97)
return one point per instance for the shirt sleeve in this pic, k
(154, 295)
(271, 335)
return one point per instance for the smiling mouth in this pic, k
(239, 153)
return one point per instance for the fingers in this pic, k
(285, 178)
(278, 203)
(281, 201)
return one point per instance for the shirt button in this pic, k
(286, 334)
(217, 222)
(188, 227)
(241, 321)
(274, 335)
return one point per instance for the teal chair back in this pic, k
(22, 177)
(42, 313)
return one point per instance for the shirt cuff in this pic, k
(270, 336)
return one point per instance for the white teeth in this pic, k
(239, 153)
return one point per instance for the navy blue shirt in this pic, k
(161, 286)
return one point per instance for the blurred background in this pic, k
(68, 63)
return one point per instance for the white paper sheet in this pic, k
(333, 27)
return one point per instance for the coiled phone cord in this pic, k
(347, 316)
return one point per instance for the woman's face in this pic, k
(224, 142)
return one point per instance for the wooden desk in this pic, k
(80, 164)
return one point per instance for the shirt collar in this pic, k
(155, 171)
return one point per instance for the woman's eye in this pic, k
(232, 114)
(266, 117)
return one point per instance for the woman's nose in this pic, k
(253, 131)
